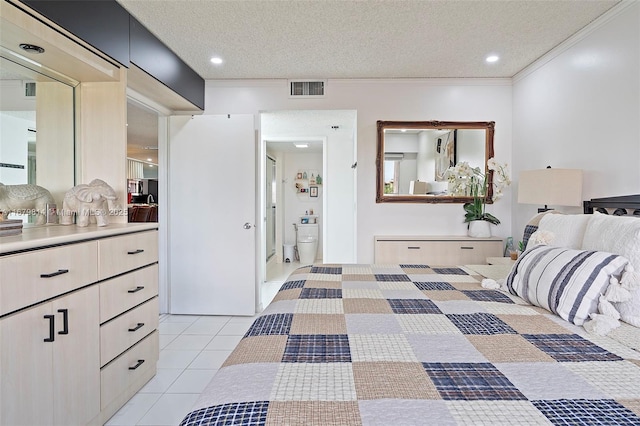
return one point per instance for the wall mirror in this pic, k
(37, 128)
(413, 156)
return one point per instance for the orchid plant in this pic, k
(465, 180)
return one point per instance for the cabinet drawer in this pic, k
(65, 268)
(123, 371)
(400, 252)
(437, 253)
(126, 330)
(126, 291)
(121, 254)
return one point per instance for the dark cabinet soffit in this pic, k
(108, 27)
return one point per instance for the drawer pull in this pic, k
(138, 364)
(52, 333)
(135, 251)
(53, 274)
(466, 248)
(137, 327)
(65, 321)
(413, 248)
(135, 290)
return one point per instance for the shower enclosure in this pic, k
(270, 207)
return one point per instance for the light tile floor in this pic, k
(192, 348)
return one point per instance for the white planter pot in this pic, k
(479, 229)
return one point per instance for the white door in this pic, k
(211, 215)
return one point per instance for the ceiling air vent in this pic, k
(306, 88)
(29, 89)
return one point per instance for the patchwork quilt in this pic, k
(418, 345)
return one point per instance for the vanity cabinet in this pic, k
(78, 322)
(50, 362)
(436, 250)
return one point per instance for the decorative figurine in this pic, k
(25, 199)
(86, 200)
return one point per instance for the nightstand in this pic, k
(495, 272)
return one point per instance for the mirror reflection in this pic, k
(37, 131)
(142, 163)
(413, 157)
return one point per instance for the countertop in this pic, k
(47, 235)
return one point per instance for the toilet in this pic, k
(307, 242)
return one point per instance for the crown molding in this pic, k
(574, 39)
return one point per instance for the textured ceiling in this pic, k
(351, 39)
(362, 39)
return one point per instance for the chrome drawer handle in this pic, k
(53, 274)
(413, 248)
(137, 327)
(138, 364)
(466, 248)
(135, 290)
(135, 251)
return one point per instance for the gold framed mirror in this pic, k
(413, 156)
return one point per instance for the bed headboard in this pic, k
(622, 205)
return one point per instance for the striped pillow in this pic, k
(564, 281)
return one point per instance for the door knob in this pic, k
(247, 225)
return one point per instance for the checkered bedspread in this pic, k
(414, 345)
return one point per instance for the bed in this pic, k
(418, 345)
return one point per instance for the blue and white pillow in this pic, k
(565, 281)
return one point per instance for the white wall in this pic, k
(470, 146)
(410, 99)
(579, 107)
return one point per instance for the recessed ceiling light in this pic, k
(492, 58)
(403, 130)
(149, 159)
(216, 60)
(301, 145)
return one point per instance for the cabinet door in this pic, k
(26, 366)
(76, 358)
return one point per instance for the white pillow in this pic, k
(630, 310)
(620, 235)
(615, 234)
(568, 229)
(564, 281)
(541, 237)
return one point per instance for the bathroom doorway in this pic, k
(296, 190)
(333, 197)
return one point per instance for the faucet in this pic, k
(150, 199)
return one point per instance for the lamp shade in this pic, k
(555, 187)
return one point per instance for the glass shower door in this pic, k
(270, 207)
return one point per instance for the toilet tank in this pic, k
(306, 230)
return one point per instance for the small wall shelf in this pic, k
(307, 182)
